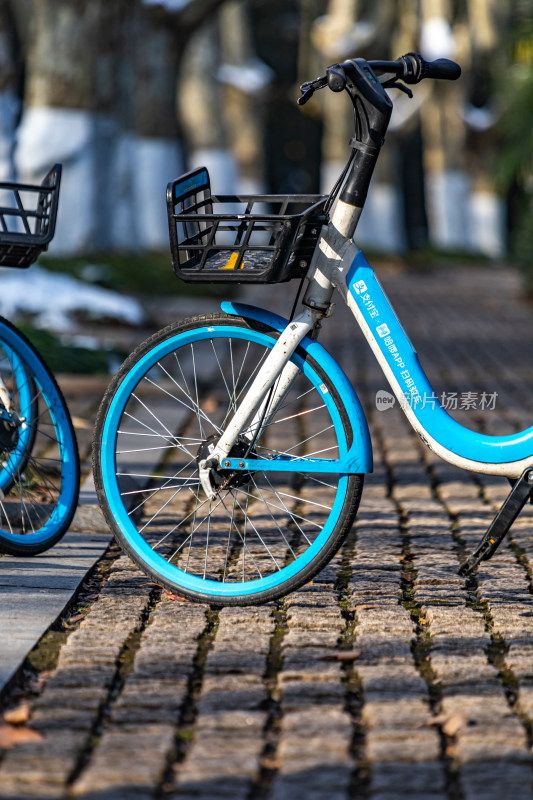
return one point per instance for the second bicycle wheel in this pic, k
(265, 533)
(39, 465)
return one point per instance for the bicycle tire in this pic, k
(39, 462)
(159, 368)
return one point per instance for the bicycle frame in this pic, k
(338, 264)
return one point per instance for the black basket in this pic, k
(27, 219)
(240, 239)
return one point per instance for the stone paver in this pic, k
(388, 677)
(35, 591)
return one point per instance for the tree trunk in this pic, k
(328, 32)
(10, 73)
(487, 208)
(244, 80)
(444, 137)
(201, 111)
(68, 101)
(150, 154)
(343, 33)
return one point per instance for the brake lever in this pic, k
(401, 87)
(309, 88)
(307, 95)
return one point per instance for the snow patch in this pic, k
(221, 166)
(487, 223)
(479, 118)
(157, 161)
(49, 135)
(437, 40)
(447, 198)
(51, 299)
(249, 78)
(359, 35)
(46, 135)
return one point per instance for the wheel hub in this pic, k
(9, 435)
(225, 478)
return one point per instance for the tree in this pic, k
(514, 161)
(348, 32)
(9, 89)
(100, 97)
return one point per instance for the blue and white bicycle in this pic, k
(230, 449)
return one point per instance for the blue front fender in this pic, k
(361, 449)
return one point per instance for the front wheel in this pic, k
(265, 533)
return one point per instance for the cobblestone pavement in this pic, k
(387, 678)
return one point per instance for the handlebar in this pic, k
(410, 68)
(442, 68)
(372, 108)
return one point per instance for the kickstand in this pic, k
(511, 508)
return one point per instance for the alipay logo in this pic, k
(383, 330)
(360, 287)
(384, 400)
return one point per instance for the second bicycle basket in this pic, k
(27, 219)
(240, 239)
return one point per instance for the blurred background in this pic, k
(128, 94)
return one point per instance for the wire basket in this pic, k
(240, 239)
(27, 219)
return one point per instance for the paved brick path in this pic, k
(387, 678)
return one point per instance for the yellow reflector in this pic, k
(232, 261)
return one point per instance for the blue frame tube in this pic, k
(389, 337)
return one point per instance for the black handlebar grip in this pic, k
(336, 78)
(442, 68)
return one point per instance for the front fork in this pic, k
(248, 417)
(5, 397)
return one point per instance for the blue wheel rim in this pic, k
(26, 410)
(26, 362)
(153, 560)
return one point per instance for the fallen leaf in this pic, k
(450, 723)
(16, 734)
(171, 596)
(342, 655)
(18, 715)
(38, 683)
(76, 618)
